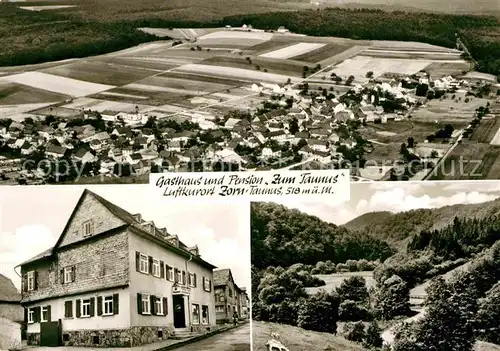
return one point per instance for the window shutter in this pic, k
(165, 306)
(183, 278)
(194, 280)
(137, 261)
(25, 315)
(150, 265)
(176, 279)
(67, 309)
(167, 270)
(78, 308)
(99, 305)
(61, 277)
(49, 314)
(73, 273)
(162, 269)
(92, 306)
(203, 283)
(116, 302)
(209, 285)
(139, 303)
(35, 275)
(38, 311)
(152, 301)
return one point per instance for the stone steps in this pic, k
(183, 334)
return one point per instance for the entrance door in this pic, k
(50, 334)
(179, 311)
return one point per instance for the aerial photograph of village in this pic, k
(109, 92)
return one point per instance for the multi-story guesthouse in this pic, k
(228, 297)
(113, 279)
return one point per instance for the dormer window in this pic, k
(88, 228)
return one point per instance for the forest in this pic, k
(282, 237)
(465, 305)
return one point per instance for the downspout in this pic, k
(189, 296)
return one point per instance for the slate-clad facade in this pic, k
(115, 280)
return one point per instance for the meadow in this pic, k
(298, 339)
(333, 281)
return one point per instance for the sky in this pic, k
(32, 218)
(397, 197)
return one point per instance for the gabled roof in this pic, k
(120, 213)
(8, 292)
(222, 277)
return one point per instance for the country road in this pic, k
(441, 161)
(233, 340)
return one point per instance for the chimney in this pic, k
(138, 217)
(173, 240)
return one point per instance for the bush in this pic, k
(373, 336)
(354, 331)
(353, 288)
(319, 313)
(352, 311)
(392, 298)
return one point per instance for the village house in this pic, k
(318, 145)
(56, 151)
(226, 296)
(245, 303)
(83, 155)
(11, 315)
(115, 280)
(27, 148)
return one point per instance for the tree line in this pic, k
(282, 237)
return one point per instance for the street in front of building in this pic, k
(232, 340)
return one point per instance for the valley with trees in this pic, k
(425, 279)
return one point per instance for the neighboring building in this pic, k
(115, 280)
(11, 315)
(244, 303)
(227, 296)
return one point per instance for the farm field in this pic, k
(293, 50)
(235, 37)
(322, 53)
(448, 110)
(359, 65)
(13, 93)
(486, 131)
(334, 280)
(179, 33)
(387, 138)
(276, 66)
(298, 339)
(56, 84)
(207, 74)
(444, 69)
(46, 7)
(470, 160)
(100, 72)
(243, 75)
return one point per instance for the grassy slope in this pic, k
(297, 339)
(401, 225)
